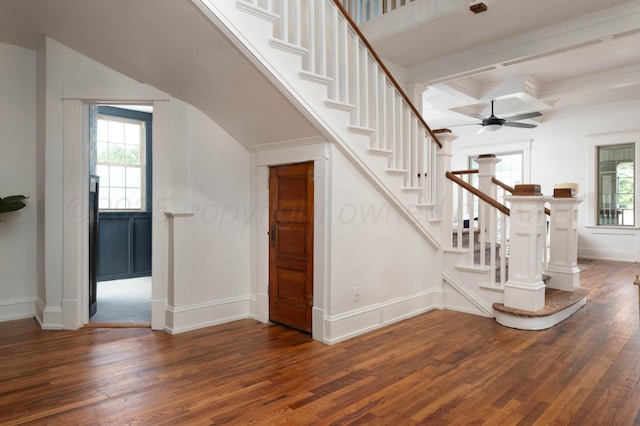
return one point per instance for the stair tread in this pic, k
(555, 301)
(378, 151)
(360, 129)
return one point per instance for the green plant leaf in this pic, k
(12, 203)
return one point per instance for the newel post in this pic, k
(444, 187)
(486, 173)
(563, 235)
(525, 289)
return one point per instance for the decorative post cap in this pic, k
(527, 189)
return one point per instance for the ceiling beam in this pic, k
(588, 29)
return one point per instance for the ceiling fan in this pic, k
(493, 123)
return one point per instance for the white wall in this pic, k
(196, 166)
(211, 183)
(561, 149)
(382, 270)
(18, 230)
(65, 80)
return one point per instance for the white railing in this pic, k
(335, 52)
(366, 10)
(484, 227)
(483, 230)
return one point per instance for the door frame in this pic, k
(318, 151)
(301, 320)
(74, 309)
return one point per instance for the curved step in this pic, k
(559, 305)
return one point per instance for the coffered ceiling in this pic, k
(541, 55)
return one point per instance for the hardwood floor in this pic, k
(439, 368)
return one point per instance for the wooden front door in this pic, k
(291, 245)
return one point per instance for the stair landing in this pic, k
(559, 305)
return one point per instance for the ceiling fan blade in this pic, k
(460, 125)
(478, 116)
(524, 125)
(523, 116)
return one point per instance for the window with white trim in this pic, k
(616, 184)
(121, 162)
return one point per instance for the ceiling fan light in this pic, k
(490, 128)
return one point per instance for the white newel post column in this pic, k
(486, 173)
(525, 289)
(563, 252)
(444, 187)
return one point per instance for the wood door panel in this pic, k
(292, 192)
(291, 216)
(291, 240)
(291, 245)
(291, 285)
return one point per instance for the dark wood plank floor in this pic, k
(439, 368)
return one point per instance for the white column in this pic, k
(169, 311)
(444, 187)
(486, 173)
(525, 289)
(563, 256)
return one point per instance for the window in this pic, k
(121, 162)
(616, 183)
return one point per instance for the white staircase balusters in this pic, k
(336, 73)
(320, 60)
(481, 229)
(366, 10)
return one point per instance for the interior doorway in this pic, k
(291, 225)
(120, 239)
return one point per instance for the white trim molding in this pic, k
(341, 327)
(604, 241)
(192, 317)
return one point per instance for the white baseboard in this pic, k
(14, 309)
(192, 317)
(158, 314)
(338, 328)
(51, 318)
(71, 314)
(619, 255)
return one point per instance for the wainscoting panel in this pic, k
(124, 245)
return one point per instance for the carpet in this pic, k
(124, 301)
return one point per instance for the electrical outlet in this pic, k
(356, 294)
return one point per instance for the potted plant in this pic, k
(12, 203)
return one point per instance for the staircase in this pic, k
(544, 289)
(313, 51)
(316, 55)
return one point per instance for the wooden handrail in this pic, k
(465, 172)
(484, 197)
(393, 81)
(502, 185)
(511, 191)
